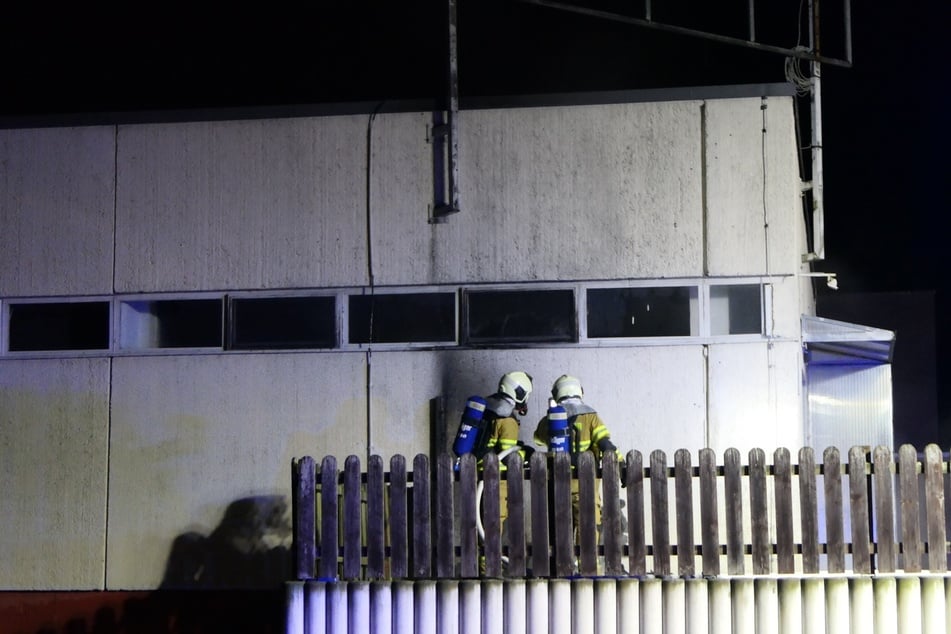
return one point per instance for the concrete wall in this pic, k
(57, 208)
(115, 466)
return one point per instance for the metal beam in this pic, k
(681, 30)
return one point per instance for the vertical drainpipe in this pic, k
(703, 299)
(450, 204)
(818, 213)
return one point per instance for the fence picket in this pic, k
(399, 519)
(611, 515)
(352, 520)
(809, 510)
(328, 518)
(683, 487)
(782, 486)
(733, 487)
(908, 491)
(759, 518)
(636, 535)
(858, 503)
(516, 515)
(468, 510)
(376, 519)
(835, 531)
(587, 528)
(491, 516)
(709, 521)
(884, 508)
(304, 490)
(422, 519)
(561, 512)
(541, 562)
(445, 516)
(660, 518)
(934, 501)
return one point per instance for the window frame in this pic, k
(338, 315)
(455, 291)
(694, 316)
(466, 340)
(341, 295)
(117, 332)
(7, 305)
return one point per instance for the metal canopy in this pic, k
(831, 342)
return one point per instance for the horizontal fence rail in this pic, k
(875, 512)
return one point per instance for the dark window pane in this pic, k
(409, 317)
(59, 326)
(521, 316)
(639, 312)
(736, 310)
(171, 323)
(283, 322)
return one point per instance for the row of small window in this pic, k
(315, 321)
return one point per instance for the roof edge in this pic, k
(236, 113)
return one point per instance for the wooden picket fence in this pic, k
(731, 518)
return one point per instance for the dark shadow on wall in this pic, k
(250, 548)
(231, 580)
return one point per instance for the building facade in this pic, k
(188, 306)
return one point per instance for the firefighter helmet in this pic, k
(566, 386)
(517, 385)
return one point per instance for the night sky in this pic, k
(885, 119)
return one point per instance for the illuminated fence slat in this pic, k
(442, 519)
(788, 604)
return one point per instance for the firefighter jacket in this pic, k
(585, 428)
(503, 427)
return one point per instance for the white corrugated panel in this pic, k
(849, 405)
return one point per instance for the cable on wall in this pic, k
(112, 359)
(370, 277)
(771, 386)
(763, 152)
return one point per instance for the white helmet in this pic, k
(517, 385)
(566, 386)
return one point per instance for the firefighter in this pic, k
(585, 432)
(492, 425)
(506, 405)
